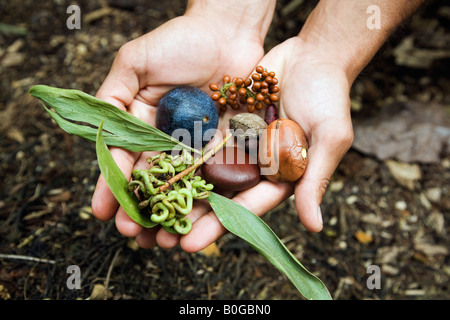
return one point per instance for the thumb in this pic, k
(122, 83)
(118, 89)
(324, 155)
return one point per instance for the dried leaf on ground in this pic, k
(409, 132)
(404, 173)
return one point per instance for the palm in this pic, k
(192, 55)
(183, 51)
(314, 92)
(312, 95)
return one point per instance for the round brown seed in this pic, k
(231, 169)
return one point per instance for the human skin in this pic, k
(316, 70)
(211, 39)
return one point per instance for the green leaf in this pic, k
(79, 113)
(249, 227)
(117, 182)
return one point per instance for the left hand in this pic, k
(314, 92)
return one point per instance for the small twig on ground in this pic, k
(108, 276)
(27, 258)
(196, 164)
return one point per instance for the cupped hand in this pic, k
(187, 50)
(314, 92)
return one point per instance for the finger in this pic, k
(169, 240)
(323, 159)
(104, 204)
(125, 225)
(146, 239)
(208, 228)
(122, 83)
(118, 89)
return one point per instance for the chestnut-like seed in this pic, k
(231, 169)
(283, 151)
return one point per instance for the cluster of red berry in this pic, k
(260, 88)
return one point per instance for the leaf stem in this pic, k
(196, 164)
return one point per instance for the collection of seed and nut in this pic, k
(265, 147)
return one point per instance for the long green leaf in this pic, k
(117, 182)
(251, 228)
(79, 113)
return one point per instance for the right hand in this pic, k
(194, 49)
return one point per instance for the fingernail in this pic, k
(319, 215)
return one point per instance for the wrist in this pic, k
(235, 19)
(329, 35)
(314, 59)
(342, 30)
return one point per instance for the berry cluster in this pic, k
(260, 88)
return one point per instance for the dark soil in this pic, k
(48, 177)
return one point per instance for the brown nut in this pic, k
(283, 151)
(231, 169)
